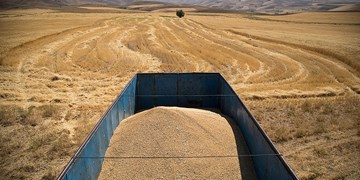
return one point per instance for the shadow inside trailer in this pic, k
(245, 160)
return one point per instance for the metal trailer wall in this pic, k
(268, 162)
(86, 164)
(199, 90)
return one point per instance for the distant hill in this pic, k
(54, 3)
(262, 6)
(27, 3)
(275, 6)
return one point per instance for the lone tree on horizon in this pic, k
(180, 13)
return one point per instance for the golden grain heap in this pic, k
(189, 143)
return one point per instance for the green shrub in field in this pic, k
(180, 13)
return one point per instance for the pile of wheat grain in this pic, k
(173, 133)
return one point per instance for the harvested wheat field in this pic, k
(61, 68)
(188, 143)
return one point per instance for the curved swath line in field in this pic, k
(224, 36)
(301, 52)
(153, 38)
(176, 44)
(286, 78)
(71, 46)
(205, 35)
(200, 24)
(279, 73)
(323, 68)
(152, 34)
(236, 46)
(335, 72)
(137, 41)
(15, 52)
(168, 37)
(105, 52)
(197, 48)
(96, 37)
(316, 50)
(339, 70)
(93, 60)
(257, 18)
(81, 60)
(136, 59)
(240, 48)
(289, 53)
(96, 57)
(233, 65)
(161, 36)
(172, 60)
(333, 68)
(315, 57)
(60, 52)
(276, 71)
(34, 50)
(212, 45)
(309, 67)
(183, 50)
(293, 69)
(115, 46)
(127, 56)
(282, 53)
(139, 49)
(53, 55)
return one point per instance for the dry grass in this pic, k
(36, 142)
(319, 17)
(61, 69)
(318, 136)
